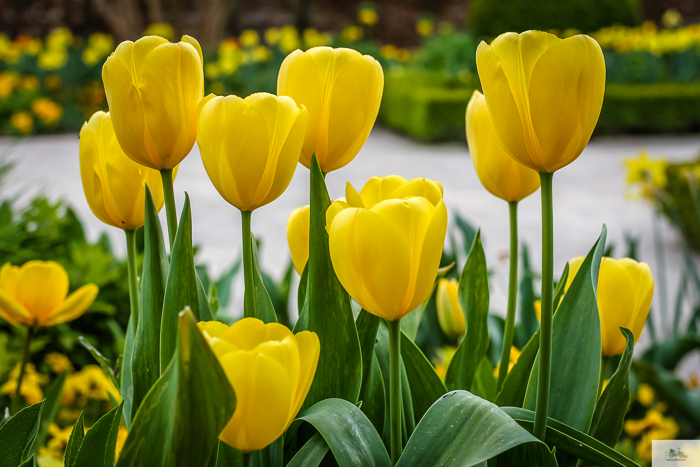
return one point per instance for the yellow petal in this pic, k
(333, 210)
(212, 329)
(449, 311)
(309, 352)
(378, 189)
(13, 312)
(41, 287)
(352, 197)
(194, 43)
(428, 189)
(8, 278)
(75, 305)
(298, 224)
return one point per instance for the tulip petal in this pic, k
(8, 278)
(73, 307)
(298, 225)
(352, 197)
(89, 150)
(212, 329)
(246, 333)
(194, 43)
(423, 187)
(309, 352)
(41, 287)
(13, 312)
(378, 189)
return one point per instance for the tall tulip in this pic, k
(544, 95)
(298, 237)
(385, 244)
(271, 371)
(504, 178)
(250, 148)
(153, 88)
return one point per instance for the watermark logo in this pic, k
(672, 454)
(664, 452)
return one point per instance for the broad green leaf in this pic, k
(669, 388)
(576, 349)
(228, 456)
(367, 325)
(463, 430)
(99, 358)
(572, 441)
(52, 401)
(349, 434)
(99, 445)
(425, 385)
(411, 322)
(473, 294)
(330, 313)
(559, 291)
(180, 419)
(525, 455)
(311, 454)
(264, 309)
(484, 383)
(301, 291)
(513, 391)
(17, 435)
(126, 382)
(74, 442)
(145, 359)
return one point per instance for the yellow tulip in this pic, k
(298, 224)
(625, 290)
(544, 95)
(449, 311)
(114, 185)
(342, 89)
(386, 243)
(502, 176)
(36, 294)
(250, 147)
(153, 88)
(271, 371)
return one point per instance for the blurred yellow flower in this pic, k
(442, 359)
(514, 355)
(654, 426)
(289, 39)
(47, 110)
(30, 82)
(22, 122)
(367, 16)
(645, 395)
(351, 34)
(53, 59)
(58, 362)
(59, 38)
(643, 169)
(671, 18)
(249, 38)
(31, 384)
(52, 82)
(272, 36)
(424, 27)
(261, 54)
(313, 38)
(164, 30)
(89, 383)
(8, 81)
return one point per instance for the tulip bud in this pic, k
(625, 289)
(449, 311)
(250, 147)
(298, 224)
(342, 90)
(271, 371)
(386, 243)
(36, 294)
(544, 95)
(153, 88)
(114, 185)
(500, 174)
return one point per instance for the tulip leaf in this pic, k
(513, 391)
(126, 380)
(411, 322)
(373, 391)
(525, 455)
(226, 456)
(484, 383)
(182, 288)
(301, 291)
(349, 434)
(100, 359)
(367, 326)
(330, 313)
(100, 442)
(462, 429)
(425, 385)
(52, 401)
(576, 349)
(311, 454)
(74, 442)
(264, 309)
(473, 294)
(18, 434)
(180, 419)
(145, 360)
(572, 441)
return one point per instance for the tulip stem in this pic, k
(512, 295)
(133, 275)
(16, 401)
(395, 388)
(169, 194)
(249, 297)
(542, 406)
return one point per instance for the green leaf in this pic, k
(145, 359)
(572, 441)
(126, 381)
(52, 401)
(576, 349)
(559, 291)
(425, 385)
(301, 291)
(74, 442)
(473, 294)
(101, 359)
(463, 429)
(330, 313)
(180, 419)
(367, 325)
(17, 435)
(349, 434)
(529, 324)
(484, 383)
(311, 454)
(228, 456)
(411, 322)
(669, 388)
(264, 309)
(31, 462)
(99, 445)
(513, 390)
(525, 455)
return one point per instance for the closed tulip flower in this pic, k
(298, 224)
(500, 174)
(386, 243)
(625, 290)
(449, 311)
(342, 90)
(36, 295)
(271, 371)
(114, 185)
(153, 88)
(544, 95)
(250, 147)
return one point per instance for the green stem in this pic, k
(512, 295)
(660, 278)
(132, 274)
(247, 456)
(169, 195)
(249, 301)
(395, 388)
(17, 401)
(543, 379)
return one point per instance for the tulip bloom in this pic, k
(271, 371)
(625, 289)
(502, 176)
(114, 185)
(298, 224)
(36, 295)
(544, 95)
(342, 90)
(449, 311)
(153, 88)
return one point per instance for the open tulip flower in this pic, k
(625, 289)
(271, 371)
(115, 185)
(36, 295)
(449, 311)
(342, 90)
(298, 224)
